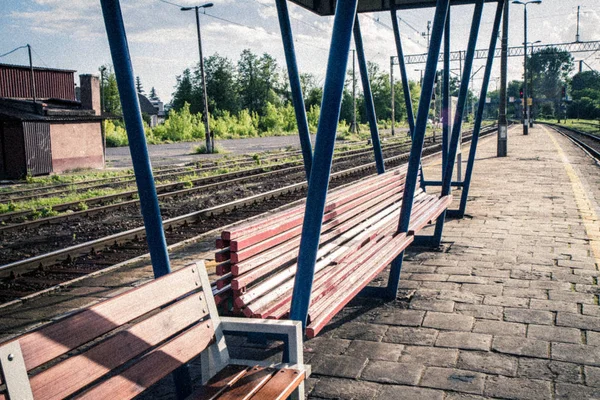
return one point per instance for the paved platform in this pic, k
(508, 308)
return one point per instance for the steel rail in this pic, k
(570, 134)
(51, 258)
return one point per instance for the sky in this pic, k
(163, 41)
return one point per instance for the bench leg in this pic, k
(394, 278)
(183, 382)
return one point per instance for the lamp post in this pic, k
(526, 105)
(531, 83)
(210, 140)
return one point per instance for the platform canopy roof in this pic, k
(327, 7)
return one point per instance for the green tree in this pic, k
(110, 91)
(221, 85)
(184, 92)
(549, 69)
(153, 95)
(138, 85)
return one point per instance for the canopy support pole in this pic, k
(414, 160)
(410, 116)
(337, 62)
(446, 107)
(368, 95)
(155, 235)
(460, 213)
(458, 118)
(295, 86)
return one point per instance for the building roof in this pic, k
(47, 110)
(146, 105)
(36, 68)
(327, 7)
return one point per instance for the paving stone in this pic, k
(429, 356)
(440, 285)
(463, 396)
(521, 346)
(567, 391)
(556, 371)
(529, 316)
(591, 309)
(395, 392)
(453, 379)
(572, 297)
(576, 353)
(522, 292)
(432, 305)
(592, 376)
(553, 305)
(464, 340)
(325, 345)
(392, 372)
(338, 366)
(414, 336)
(578, 321)
(360, 330)
(375, 350)
(344, 389)
(401, 317)
(506, 301)
(499, 328)
(518, 388)
(429, 277)
(593, 338)
(495, 290)
(554, 333)
(487, 362)
(479, 311)
(447, 321)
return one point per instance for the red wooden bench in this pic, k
(121, 346)
(359, 239)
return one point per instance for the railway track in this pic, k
(29, 218)
(23, 277)
(589, 142)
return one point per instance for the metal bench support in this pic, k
(369, 105)
(446, 106)
(319, 178)
(295, 86)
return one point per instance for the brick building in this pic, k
(48, 130)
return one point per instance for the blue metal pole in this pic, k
(480, 107)
(295, 86)
(414, 161)
(337, 62)
(368, 95)
(446, 111)
(405, 86)
(155, 235)
(460, 109)
(132, 115)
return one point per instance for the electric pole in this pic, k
(502, 120)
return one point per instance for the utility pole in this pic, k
(502, 120)
(210, 140)
(577, 35)
(31, 76)
(392, 90)
(354, 127)
(427, 34)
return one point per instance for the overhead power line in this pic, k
(13, 50)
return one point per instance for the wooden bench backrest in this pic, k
(154, 329)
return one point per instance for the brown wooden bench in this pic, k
(120, 347)
(359, 239)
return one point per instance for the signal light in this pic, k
(521, 93)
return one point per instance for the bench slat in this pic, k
(53, 340)
(280, 386)
(373, 268)
(219, 383)
(246, 386)
(155, 365)
(77, 372)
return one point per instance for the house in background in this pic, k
(48, 130)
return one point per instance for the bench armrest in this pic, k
(291, 329)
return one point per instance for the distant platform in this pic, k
(327, 7)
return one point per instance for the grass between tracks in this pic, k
(588, 126)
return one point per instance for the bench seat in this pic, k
(120, 347)
(359, 239)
